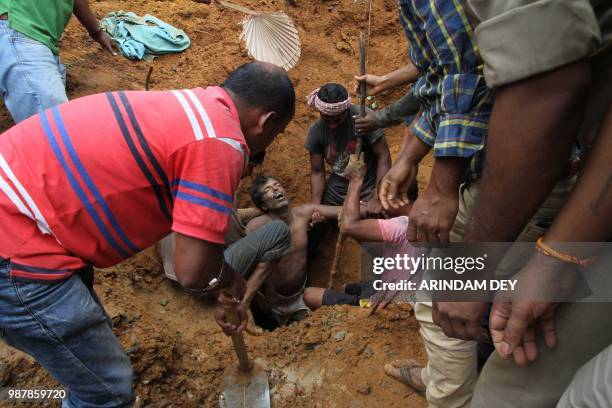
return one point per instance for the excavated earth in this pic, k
(335, 357)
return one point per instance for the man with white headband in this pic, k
(332, 138)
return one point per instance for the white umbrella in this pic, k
(269, 37)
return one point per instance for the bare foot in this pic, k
(407, 371)
(252, 328)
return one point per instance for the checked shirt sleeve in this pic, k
(206, 175)
(459, 127)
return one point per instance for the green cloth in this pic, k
(42, 20)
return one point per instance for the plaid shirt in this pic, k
(456, 100)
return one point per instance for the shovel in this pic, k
(247, 385)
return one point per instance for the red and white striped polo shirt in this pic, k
(97, 179)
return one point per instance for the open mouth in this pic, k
(278, 196)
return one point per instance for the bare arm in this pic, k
(585, 217)
(591, 199)
(352, 226)
(400, 178)
(86, 17)
(329, 212)
(317, 178)
(88, 20)
(433, 213)
(380, 83)
(526, 157)
(196, 262)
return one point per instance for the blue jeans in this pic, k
(63, 326)
(32, 78)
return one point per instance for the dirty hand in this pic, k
(540, 285)
(374, 83)
(355, 169)
(432, 216)
(224, 317)
(460, 320)
(316, 218)
(395, 185)
(373, 208)
(105, 41)
(367, 123)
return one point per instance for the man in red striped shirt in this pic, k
(96, 180)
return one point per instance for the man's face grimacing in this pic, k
(274, 195)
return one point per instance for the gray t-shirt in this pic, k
(335, 145)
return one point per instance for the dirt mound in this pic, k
(335, 357)
(180, 357)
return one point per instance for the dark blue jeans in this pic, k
(64, 327)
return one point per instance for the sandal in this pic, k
(402, 370)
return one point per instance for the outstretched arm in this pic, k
(380, 83)
(88, 20)
(351, 224)
(329, 212)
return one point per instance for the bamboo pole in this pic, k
(362, 112)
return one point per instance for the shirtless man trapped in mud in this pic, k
(281, 290)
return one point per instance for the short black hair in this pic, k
(332, 93)
(263, 85)
(256, 189)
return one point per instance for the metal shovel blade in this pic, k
(246, 389)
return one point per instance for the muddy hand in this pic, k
(367, 123)
(355, 169)
(106, 42)
(223, 315)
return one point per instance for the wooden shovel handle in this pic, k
(362, 71)
(244, 364)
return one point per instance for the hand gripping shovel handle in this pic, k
(243, 358)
